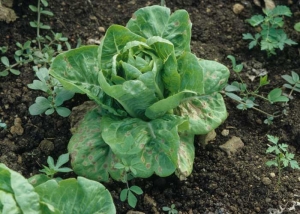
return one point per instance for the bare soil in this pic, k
(240, 183)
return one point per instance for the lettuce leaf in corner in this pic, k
(81, 196)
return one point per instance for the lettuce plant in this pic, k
(82, 196)
(154, 96)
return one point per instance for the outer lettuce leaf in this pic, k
(78, 71)
(157, 21)
(91, 157)
(16, 194)
(215, 75)
(154, 143)
(204, 113)
(81, 196)
(191, 73)
(186, 155)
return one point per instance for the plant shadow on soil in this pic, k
(218, 184)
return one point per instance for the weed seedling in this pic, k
(56, 94)
(129, 192)
(55, 168)
(282, 159)
(239, 92)
(293, 82)
(170, 210)
(41, 52)
(272, 35)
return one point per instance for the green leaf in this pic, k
(271, 163)
(45, 27)
(124, 194)
(263, 80)
(191, 73)
(294, 164)
(215, 76)
(63, 111)
(186, 155)
(136, 189)
(84, 196)
(33, 8)
(288, 78)
(45, 3)
(255, 20)
(248, 36)
(38, 85)
(276, 96)
(3, 73)
(40, 106)
(50, 162)
(295, 77)
(62, 95)
(49, 111)
(14, 71)
(116, 38)
(148, 136)
(297, 26)
(90, 155)
(133, 95)
(46, 12)
(205, 113)
(237, 68)
(273, 139)
(62, 159)
(132, 200)
(281, 10)
(157, 21)
(33, 24)
(5, 61)
(16, 194)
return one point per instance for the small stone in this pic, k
(268, 200)
(272, 174)
(101, 29)
(17, 127)
(134, 212)
(257, 209)
(225, 132)
(266, 181)
(299, 179)
(204, 139)
(232, 145)
(46, 146)
(238, 8)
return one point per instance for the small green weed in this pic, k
(170, 210)
(41, 52)
(282, 159)
(56, 94)
(55, 168)
(272, 35)
(239, 92)
(293, 82)
(129, 192)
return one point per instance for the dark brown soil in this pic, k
(219, 183)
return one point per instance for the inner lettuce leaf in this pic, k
(158, 21)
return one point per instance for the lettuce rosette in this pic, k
(154, 96)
